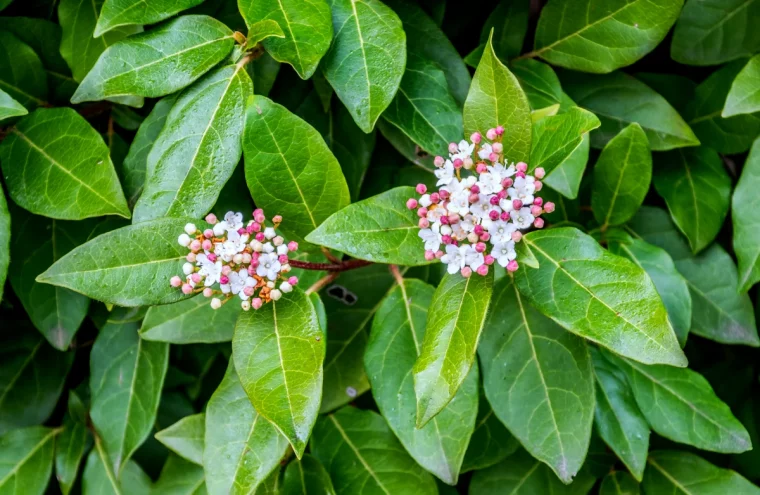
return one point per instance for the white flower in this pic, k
(522, 219)
(267, 248)
(238, 280)
(425, 200)
(482, 207)
(499, 170)
(269, 233)
(282, 249)
(458, 230)
(523, 189)
(184, 240)
(504, 253)
(485, 151)
(455, 257)
(212, 271)
(269, 266)
(501, 232)
(460, 203)
(474, 259)
(432, 237)
(190, 228)
(434, 214)
(286, 287)
(506, 205)
(220, 228)
(490, 183)
(445, 174)
(188, 268)
(216, 303)
(465, 150)
(275, 295)
(233, 221)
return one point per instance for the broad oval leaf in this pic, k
(10, 107)
(198, 148)
(180, 477)
(26, 460)
(458, 313)
(597, 295)
(241, 447)
(745, 216)
(127, 374)
(137, 275)
(22, 75)
(539, 381)
(72, 444)
(557, 137)
(621, 177)
(491, 442)
(289, 168)
(363, 457)
(186, 437)
(679, 404)
(601, 36)
(496, 99)
(190, 321)
(744, 96)
(278, 352)
(367, 57)
(566, 177)
(619, 483)
(117, 13)
(380, 229)
(537, 79)
(306, 476)
(395, 342)
(674, 471)
(307, 27)
(618, 100)
(34, 156)
(159, 61)
(99, 479)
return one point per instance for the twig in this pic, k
(322, 282)
(397, 275)
(329, 255)
(342, 266)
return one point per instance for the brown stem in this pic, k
(322, 283)
(397, 275)
(330, 267)
(330, 256)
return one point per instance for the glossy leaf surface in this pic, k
(26, 460)
(306, 476)
(676, 471)
(190, 321)
(116, 13)
(746, 216)
(744, 96)
(557, 137)
(186, 437)
(22, 74)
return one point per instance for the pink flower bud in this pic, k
(212, 257)
(478, 229)
(473, 198)
(501, 194)
(466, 272)
(475, 189)
(507, 182)
(535, 210)
(439, 254)
(538, 201)
(211, 218)
(224, 279)
(259, 218)
(491, 134)
(476, 138)
(191, 257)
(277, 219)
(422, 212)
(196, 278)
(252, 269)
(195, 245)
(549, 207)
(539, 173)
(480, 247)
(468, 162)
(489, 259)
(293, 280)
(485, 237)
(483, 270)
(292, 246)
(481, 168)
(249, 229)
(421, 189)
(208, 233)
(175, 281)
(446, 239)
(520, 174)
(453, 148)
(538, 184)
(226, 270)
(444, 194)
(260, 237)
(512, 266)
(499, 130)
(516, 236)
(283, 258)
(439, 161)
(522, 167)
(258, 211)
(494, 200)
(207, 245)
(445, 220)
(256, 302)
(248, 290)
(208, 292)
(505, 216)
(497, 147)
(493, 157)
(256, 227)
(411, 203)
(424, 223)
(517, 204)
(453, 218)
(429, 255)
(458, 163)
(187, 289)
(538, 223)
(435, 198)
(241, 231)
(493, 215)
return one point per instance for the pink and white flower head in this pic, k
(481, 210)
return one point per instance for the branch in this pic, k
(342, 266)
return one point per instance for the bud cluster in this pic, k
(236, 259)
(481, 208)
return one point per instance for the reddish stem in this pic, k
(330, 267)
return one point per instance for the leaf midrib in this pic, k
(357, 453)
(23, 460)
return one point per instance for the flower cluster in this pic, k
(479, 217)
(236, 259)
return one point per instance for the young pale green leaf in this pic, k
(10, 107)
(594, 36)
(566, 177)
(198, 148)
(306, 476)
(22, 75)
(99, 479)
(679, 404)
(185, 437)
(599, 296)
(262, 30)
(539, 380)
(363, 457)
(241, 447)
(619, 483)
(127, 374)
(32, 375)
(538, 81)
(278, 353)
(618, 100)
(683, 472)
(697, 190)
(621, 177)
(159, 61)
(34, 157)
(619, 420)
(521, 474)
(380, 229)
(117, 13)
(557, 137)
(458, 313)
(26, 460)
(307, 27)
(491, 442)
(72, 444)
(367, 57)
(395, 341)
(424, 109)
(744, 96)
(190, 321)
(496, 99)
(137, 274)
(724, 135)
(289, 168)
(711, 33)
(180, 477)
(5, 241)
(745, 216)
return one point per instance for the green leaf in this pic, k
(72, 444)
(79, 47)
(745, 216)
(185, 437)
(307, 27)
(557, 137)
(744, 96)
(159, 61)
(566, 177)
(127, 374)
(538, 81)
(26, 460)
(724, 135)
(262, 30)
(711, 33)
(619, 420)
(459, 308)
(600, 37)
(307, 476)
(680, 405)
(117, 13)
(621, 177)
(491, 442)
(351, 147)
(539, 380)
(397, 334)
(599, 296)
(697, 190)
(10, 107)
(619, 483)
(278, 352)
(137, 275)
(22, 75)
(362, 456)
(670, 284)
(241, 447)
(180, 477)
(679, 471)
(495, 99)
(619, 100)
(367, 58)
(32, 375)
(33, 156)
(289, 168)
(192, 158)
(676, 89)
(190, 321)
(5, 241)
(99, 479)
(44, 37)
(521, 474)
(424, 109)
(509, 21)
